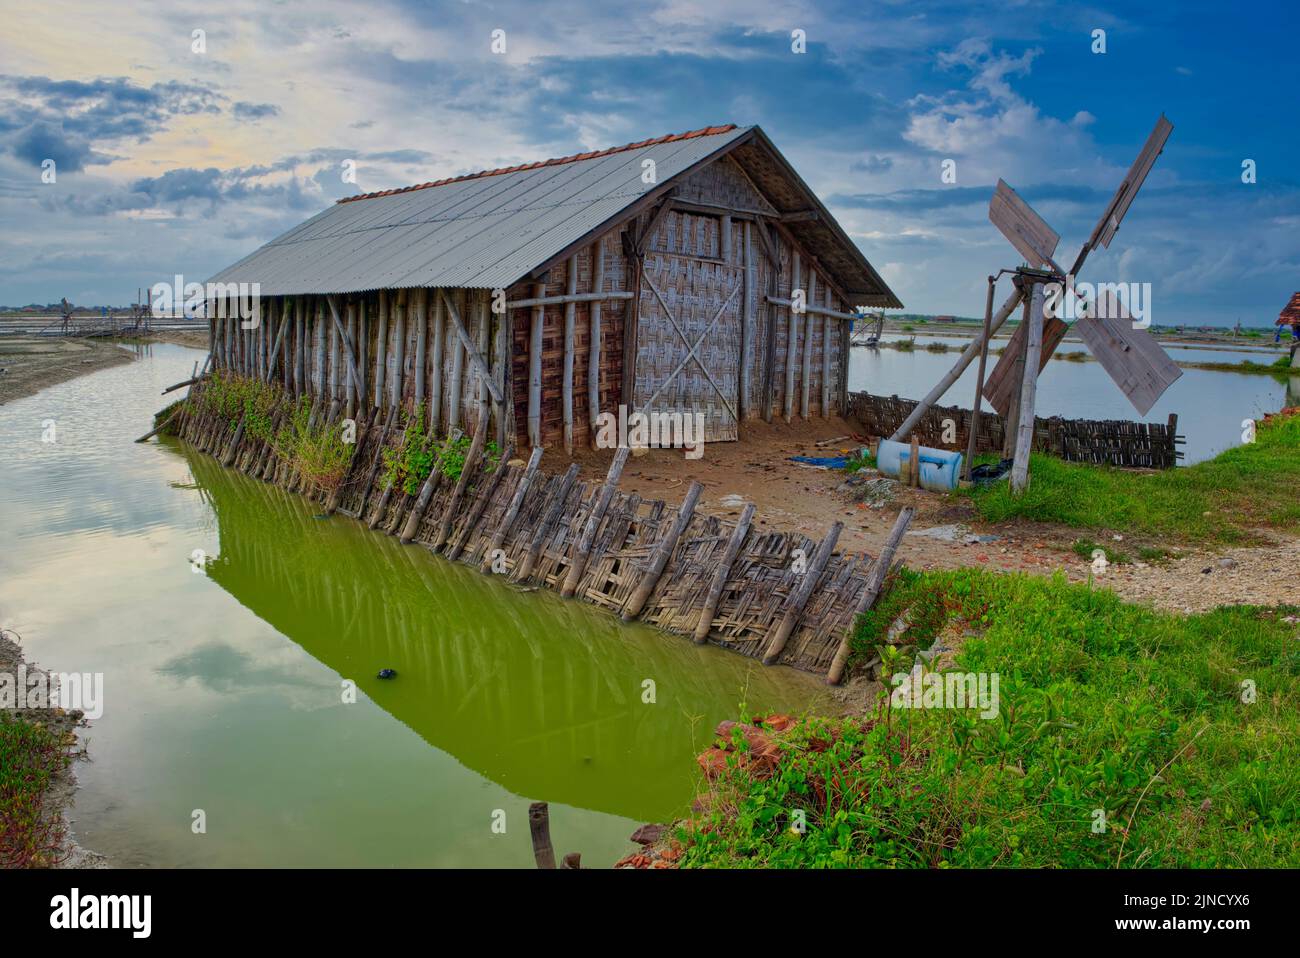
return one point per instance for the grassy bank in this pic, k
(1218, 501)
(30, 756)
(1123, 737)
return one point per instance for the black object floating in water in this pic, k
(387, 674)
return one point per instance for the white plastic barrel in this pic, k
(940, 468)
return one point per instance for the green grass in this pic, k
(1102, 706)
(1219, 500)
(30, 756)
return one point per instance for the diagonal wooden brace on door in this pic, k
(690, 349)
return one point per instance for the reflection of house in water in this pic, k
(540, 695)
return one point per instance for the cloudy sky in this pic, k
(180, 155)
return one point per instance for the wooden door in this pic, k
(688, 336)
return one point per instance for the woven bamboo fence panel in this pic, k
(1134, 445)
(755, 595)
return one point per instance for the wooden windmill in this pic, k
(1131, 356)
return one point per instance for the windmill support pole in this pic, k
(979, 381)
(944, 384)
(1028, 391)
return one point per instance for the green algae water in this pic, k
(227, 619)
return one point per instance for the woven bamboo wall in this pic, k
(759, 586)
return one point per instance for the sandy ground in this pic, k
(30, 363)
(946, 532)
(64, 785)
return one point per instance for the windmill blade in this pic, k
(1108, 225)
(1131, 357)
(1027, 231)
(1001, 383)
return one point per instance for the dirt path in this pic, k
(30, 363)
(946, 532)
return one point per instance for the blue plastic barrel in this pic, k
(940, 468)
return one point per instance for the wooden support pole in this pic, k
(662, 553)
(350, 393)
(480, 504)
(582, 547)
(805, 377)
(1011, 422)
(539, 826)
(487, 378)
(563, 299)
(299, 347)
(375, 463)
(165, 423)
(467, 470)
(454, 378)
(512, 513)
(234, 444)
(535, 370)
(363, 355)
(435, 377)
(1028, 393)
(747, 325)
(475, 357)
(791, 342)
(431, 484)
(979, 382)
(381, 350)
(950, 377)
(319, 355)
(723, 572)
(795, 606)
(566, 389)
(349, 352)
(388, 486)
(421, 338)
(397, 381)
(547, 524)
(826, 359)
(875, 581)
(593, 340)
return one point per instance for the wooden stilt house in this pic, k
(658, 276)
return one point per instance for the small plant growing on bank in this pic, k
(317, 452)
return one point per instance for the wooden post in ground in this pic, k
(662, 553)
(1028, 392)
(421, 334)
(875, 581)
(379, 456)
(723, 571)
(381, 350)
(397, 381)
(747, 325)
(593, 340)
(388, 486)
(431, 483)
(566, 389)
(480, 504)
(805, 385)
(979, 381)
(435, 377)
(535, 368)
(582, 547)
(1011, 423)
(539, 826)
(467, 469)
(791, 341)
(826, 356)
(546, 525)
(795, 606)
(234, 444)
(512, 513)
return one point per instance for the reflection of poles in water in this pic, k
(539, 825)
(1293, 391)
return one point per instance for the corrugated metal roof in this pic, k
(485, 231)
